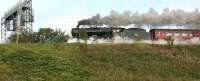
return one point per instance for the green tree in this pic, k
(44, 35)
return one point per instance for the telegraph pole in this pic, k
(19, 15)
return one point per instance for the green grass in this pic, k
(73, 62)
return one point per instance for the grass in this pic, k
(122, 62)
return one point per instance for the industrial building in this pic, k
(18, 19)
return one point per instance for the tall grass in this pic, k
(122, 62)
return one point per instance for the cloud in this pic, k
(188, 5)
(6, 5)
(59, 15)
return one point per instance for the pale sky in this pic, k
(65, 14)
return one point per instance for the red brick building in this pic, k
(176, 34)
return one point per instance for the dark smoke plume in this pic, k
(151, 19)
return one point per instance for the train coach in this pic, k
(176, 34)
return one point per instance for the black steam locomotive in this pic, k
(96, 32)
(111, 32)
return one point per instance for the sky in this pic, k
(65, 14)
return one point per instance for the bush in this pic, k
(44, 35)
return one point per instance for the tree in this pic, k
(166, 17)
(151, 19)
(114, 18)
(23, 37)
(125, 18)
(44, 35)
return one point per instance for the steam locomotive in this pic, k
(105, 33)
(111, 32)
